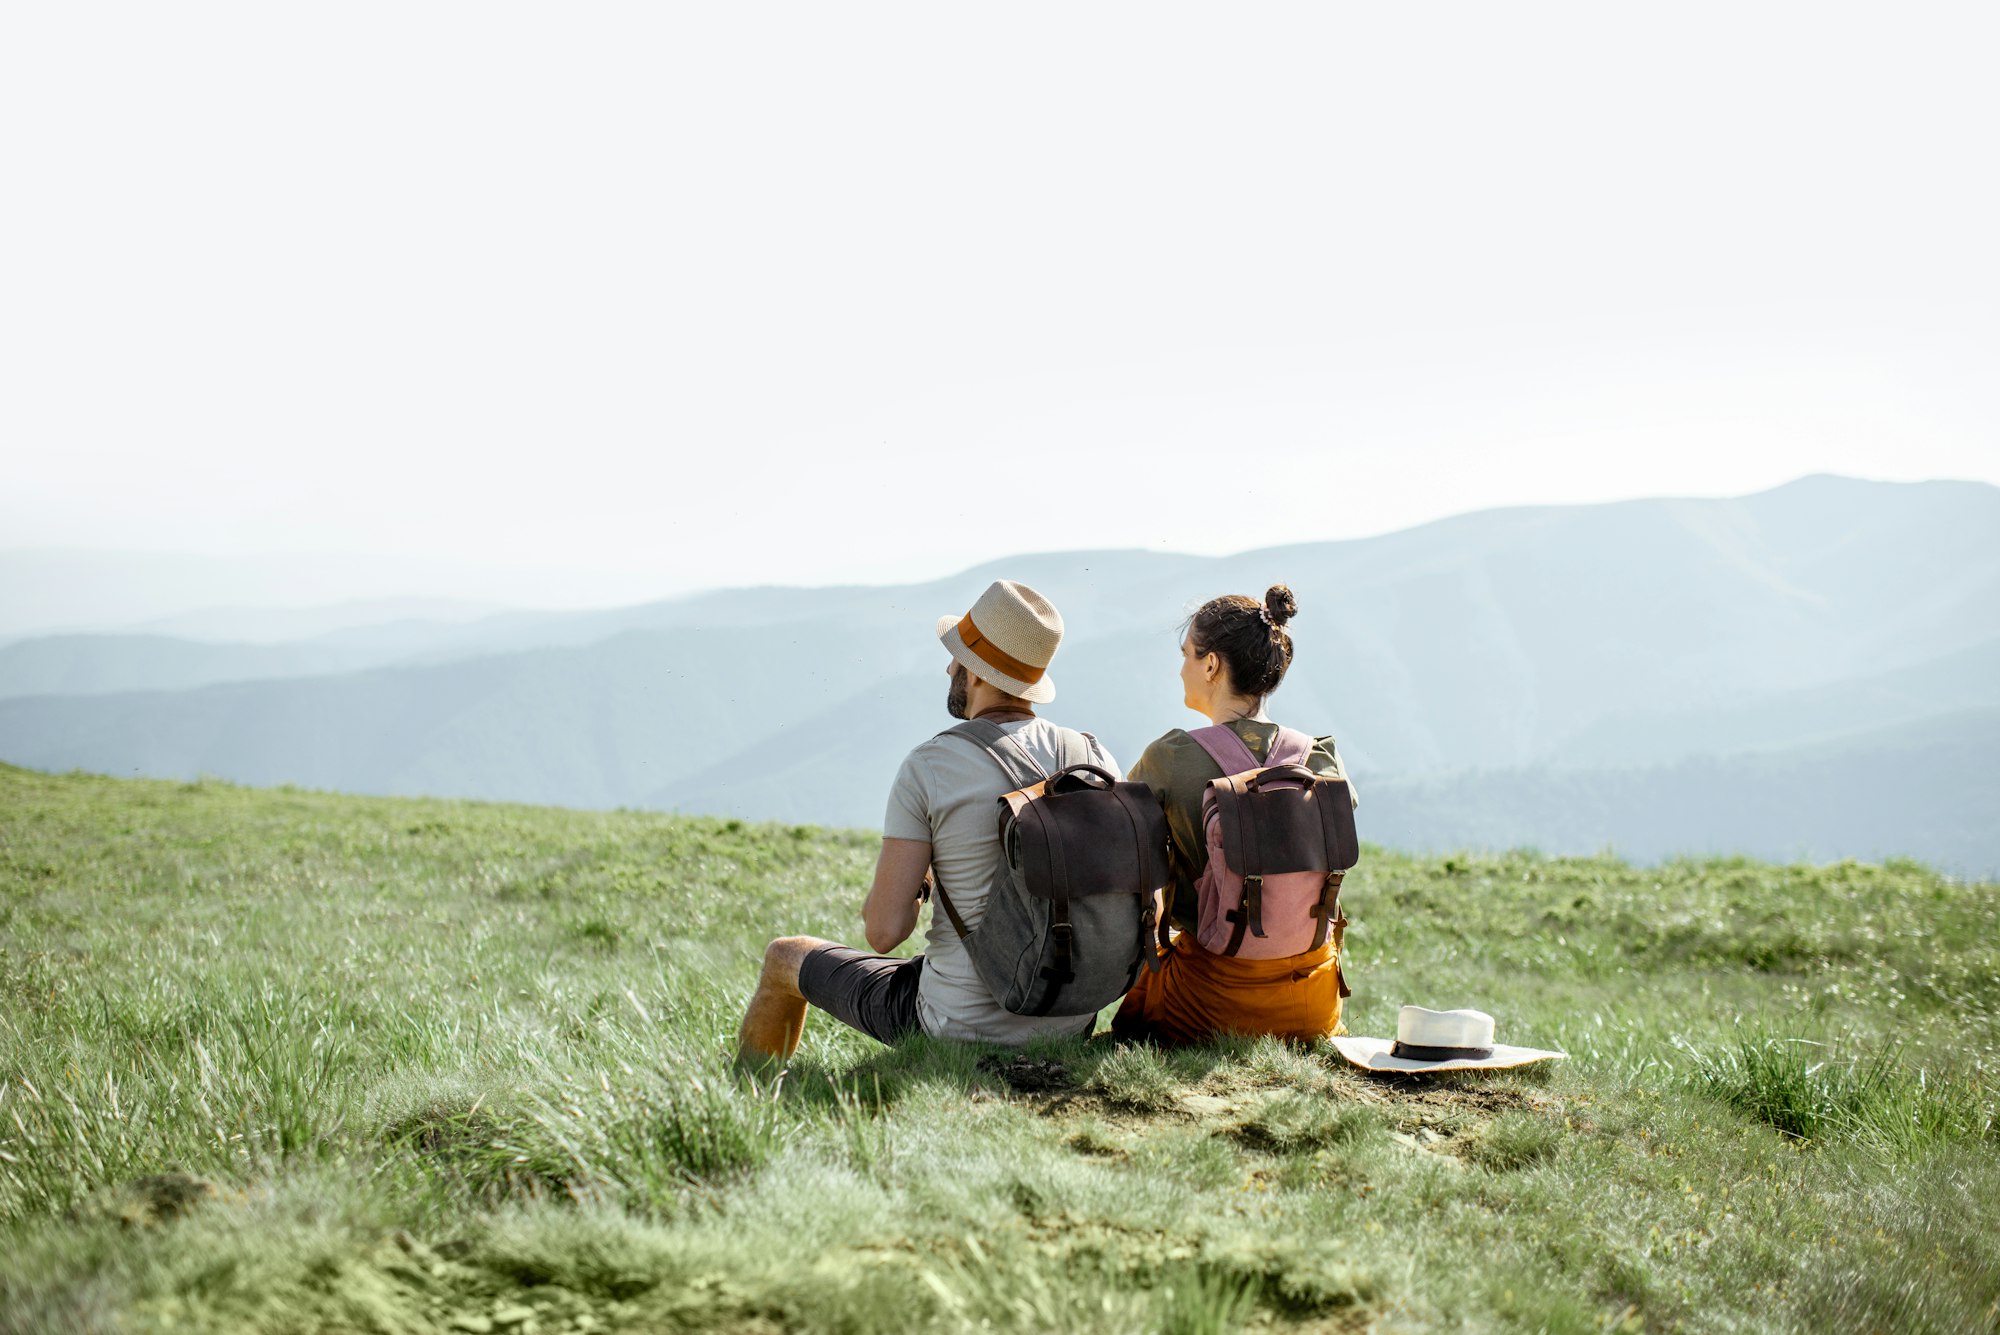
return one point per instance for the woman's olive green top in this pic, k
(1179, 771)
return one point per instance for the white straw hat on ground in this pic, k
(1428, 1040)
(1007, 638)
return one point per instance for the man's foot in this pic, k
(776, 1016)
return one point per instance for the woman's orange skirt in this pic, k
(1197, 994)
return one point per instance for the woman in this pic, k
(1234, 653)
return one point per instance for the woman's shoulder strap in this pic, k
(1291, 747)
(1226, 748)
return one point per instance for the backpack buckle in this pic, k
(1058, 971)
(1253, 902)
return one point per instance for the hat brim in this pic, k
(1039, 693)
(1373, 1054)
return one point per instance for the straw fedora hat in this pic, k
(1428, 1040)
(1007, 638)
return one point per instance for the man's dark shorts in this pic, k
(872, 993)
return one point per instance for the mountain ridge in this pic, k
(1570, 639)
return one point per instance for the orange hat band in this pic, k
(994, 656)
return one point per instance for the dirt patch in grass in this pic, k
(145, 1202)
(1443, 1090)
(1094, 1144)
(1262, 1109)
(1029, 1075)
(1299, 1120)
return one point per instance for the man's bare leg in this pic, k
(777, 1012)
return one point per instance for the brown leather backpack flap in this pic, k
(1335, 801)
(1092, 841)
(1267, 831)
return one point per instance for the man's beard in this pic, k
(959, 698)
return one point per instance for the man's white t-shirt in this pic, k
(947, 794)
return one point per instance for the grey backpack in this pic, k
(1070, 916)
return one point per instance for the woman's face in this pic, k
(1195, 686)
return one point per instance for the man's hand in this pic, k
(901, 873)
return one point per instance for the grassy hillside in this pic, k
(281, 1061)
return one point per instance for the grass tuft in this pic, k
(1515, 1140)
(1810, 1091)
(1292, 1123)
(597, 932)
(650, 1135)
(1207, 1300)
(1135, 1077)
(597, 1252)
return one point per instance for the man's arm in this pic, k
(890, 913)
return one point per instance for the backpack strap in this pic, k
(1323, 912)
(1290, 747)
(1058, 971)
(1013, 759)
(1232, 755)
(1248, 915)
(944, 902)
(1230, 752)
(1021, 771)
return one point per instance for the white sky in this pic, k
(672, 296)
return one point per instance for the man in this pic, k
(942, 821)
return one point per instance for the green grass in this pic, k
(283, 1061)
(1812, 1091)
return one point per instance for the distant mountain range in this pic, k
(1811, 672)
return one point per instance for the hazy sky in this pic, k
(668, 296)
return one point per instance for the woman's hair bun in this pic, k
(1278, 601)
(1256, 650)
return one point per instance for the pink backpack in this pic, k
(1279, 837)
